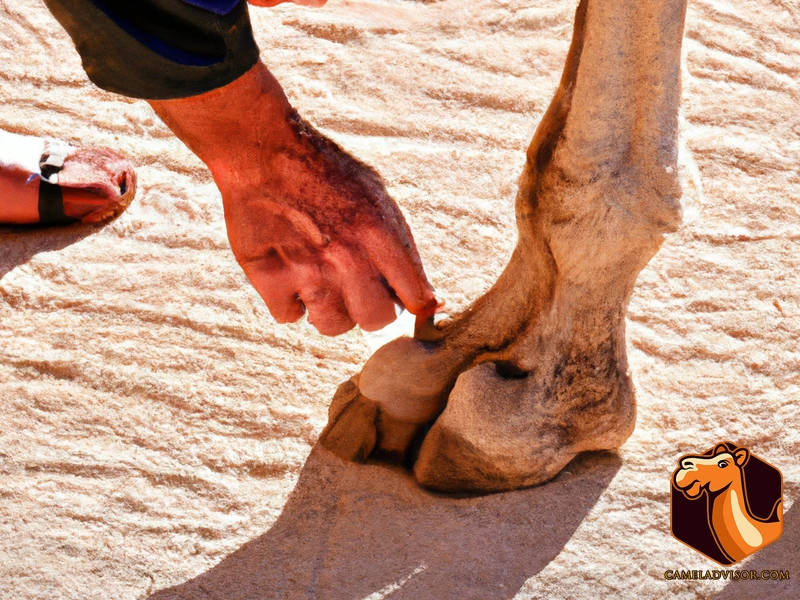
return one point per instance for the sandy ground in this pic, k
(156, 425)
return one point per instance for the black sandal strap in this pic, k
(51, 204)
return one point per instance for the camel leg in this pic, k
(536, 370)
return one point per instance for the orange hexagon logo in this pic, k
(726, 503)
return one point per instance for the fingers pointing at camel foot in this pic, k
(313, 228)
(317, 233)
(48, 182)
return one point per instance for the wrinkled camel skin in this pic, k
(506, 394)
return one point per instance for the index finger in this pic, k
(403, 270)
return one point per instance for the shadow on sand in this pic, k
(350, 531)
(784, 554)
(19, 244)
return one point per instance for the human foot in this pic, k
(49, 182)
(536, 371)
(312, 227)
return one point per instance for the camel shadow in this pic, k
(783, 554)
(20, 244)
(350, 531)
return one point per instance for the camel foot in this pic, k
(350, 412)
(500, 434)
(507, 393)
(499, 427)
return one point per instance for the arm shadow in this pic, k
(352, 532)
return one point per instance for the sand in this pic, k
(157, 426)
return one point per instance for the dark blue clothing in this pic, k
(160, 49)
(220, 7)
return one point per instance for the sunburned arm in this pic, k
(312, 227)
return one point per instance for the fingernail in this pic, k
(442, 320)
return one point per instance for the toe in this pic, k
(97, 184)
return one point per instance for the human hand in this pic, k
(316, 231)
(313, 228)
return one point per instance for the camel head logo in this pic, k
(698, 474)
(726, 502)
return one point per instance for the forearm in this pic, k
(229, 124)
